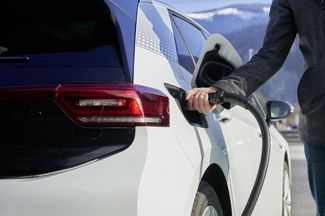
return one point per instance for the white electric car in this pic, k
(88, 128)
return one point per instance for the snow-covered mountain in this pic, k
(245, 12)
(244, 25)
(233, 17)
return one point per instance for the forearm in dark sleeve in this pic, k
(280, 34)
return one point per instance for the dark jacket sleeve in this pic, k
(280, 34)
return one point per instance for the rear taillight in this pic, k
(114, 105)
(103, 105)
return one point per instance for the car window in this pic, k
(184, 57)
(192, 35)
(40, 32)
(79, 46)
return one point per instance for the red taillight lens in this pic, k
(114, 105)
(103, 105)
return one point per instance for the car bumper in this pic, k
(105, 187)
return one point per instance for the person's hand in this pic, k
(198, 99)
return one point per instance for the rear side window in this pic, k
(78, 38)
(185, 59)
(192, 35)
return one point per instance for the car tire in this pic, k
(286, 191)
(206, 202)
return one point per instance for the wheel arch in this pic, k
(215, 177)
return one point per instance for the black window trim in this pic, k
(173, 14)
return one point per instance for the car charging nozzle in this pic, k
(228, 100)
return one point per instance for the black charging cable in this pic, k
(229, 100)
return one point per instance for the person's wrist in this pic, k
(213, 89)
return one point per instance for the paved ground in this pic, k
(302, 203)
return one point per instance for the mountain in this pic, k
(244, 25)
(232, 18)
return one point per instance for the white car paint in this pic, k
(160, 172)
(241, 153)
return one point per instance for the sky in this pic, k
(199, 5)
